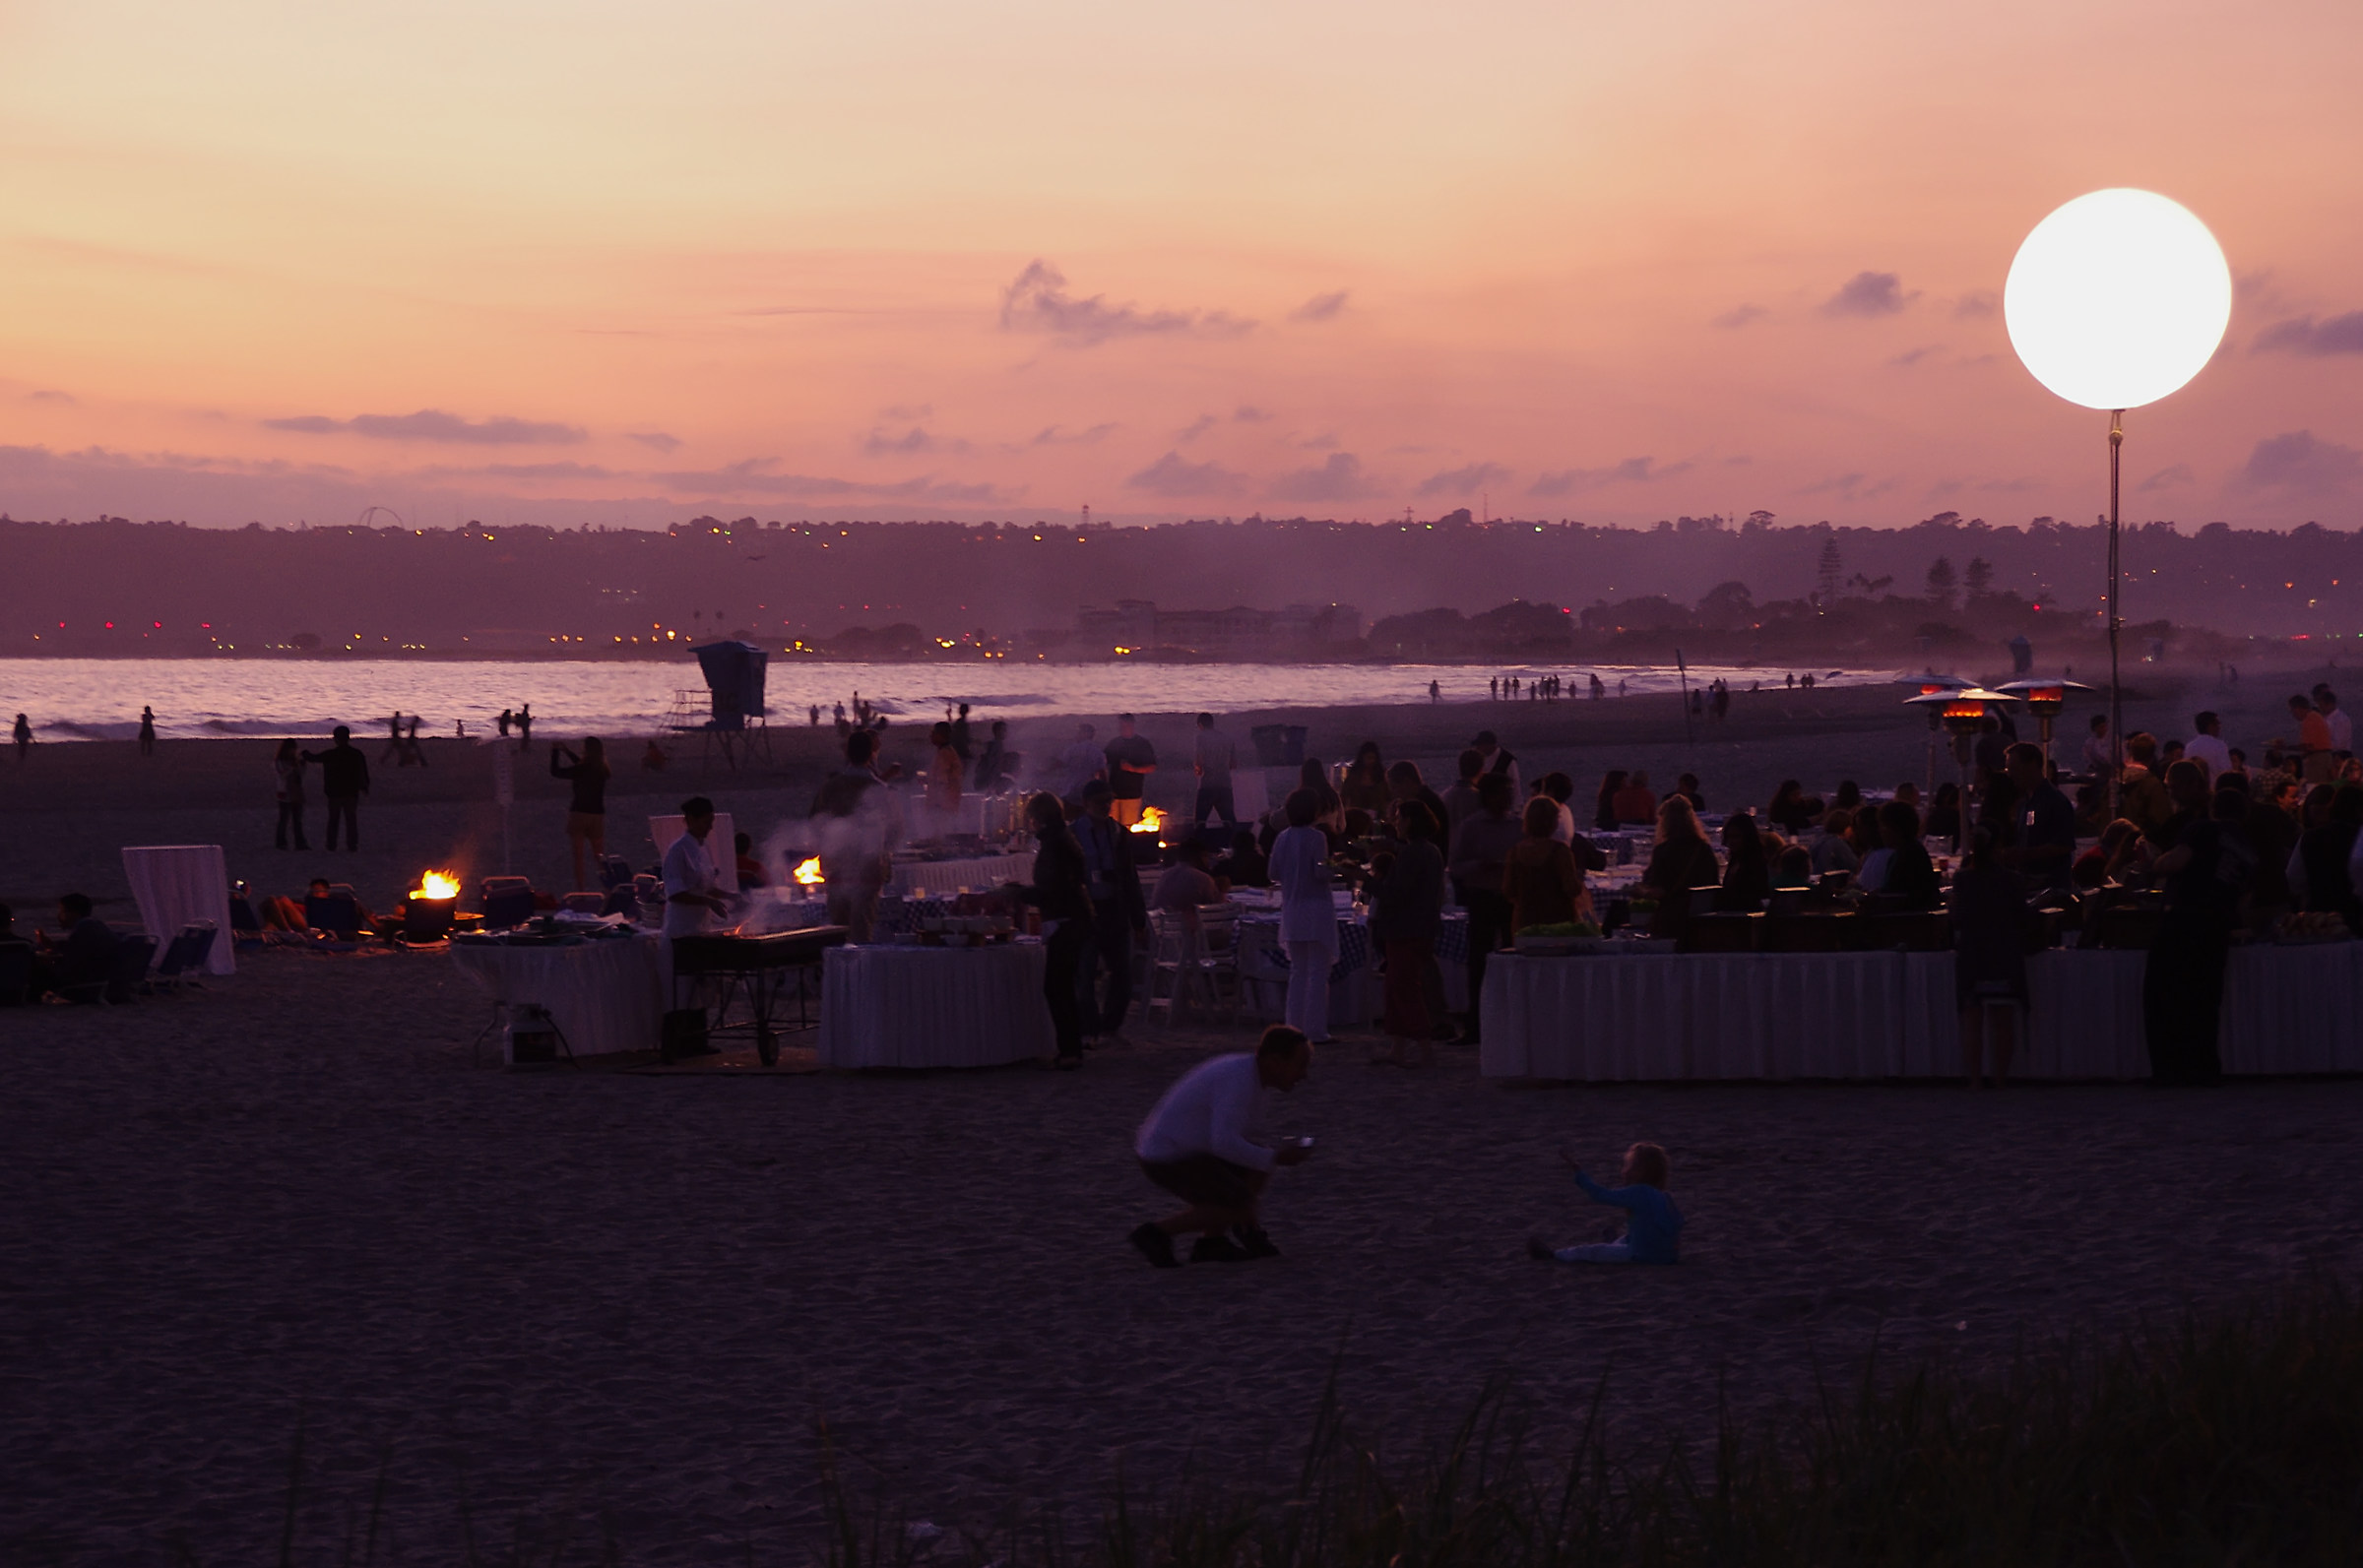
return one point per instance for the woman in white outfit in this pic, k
(1299, 862)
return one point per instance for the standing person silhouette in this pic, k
(503, 722)
(393, 751)
(288, 766)
(525, 723)
(23, 736)
(344, 779)
(410, 751)
(587, 807)
(147, 731)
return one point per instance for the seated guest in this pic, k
(750, 866)
(1185, 884)
(1612, 783)
(1542, 878)
(1910, 874)
(2103, 862)
(1792, 809)
(1944, 817)
(1909, 793)
(1833, 852)
(1634, 803)
(1849, 797)
(1682, 860)
(1686, 787)
(84, 957)
(1244, 866)
(1748, 874)
(1794, 871)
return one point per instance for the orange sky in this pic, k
(1569, 260)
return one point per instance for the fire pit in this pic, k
(426, 912)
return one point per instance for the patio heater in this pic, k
(1962, 714)
(2115, 301)
(2046, 700)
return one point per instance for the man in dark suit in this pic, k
(344, 779)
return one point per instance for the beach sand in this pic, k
(289, 1202)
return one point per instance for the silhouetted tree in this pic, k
(1980, 576)
(1939, 582)
(1830, 573)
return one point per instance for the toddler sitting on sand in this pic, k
(1652, 1220)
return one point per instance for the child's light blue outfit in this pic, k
(1650, 1227)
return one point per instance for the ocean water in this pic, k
(100, 699)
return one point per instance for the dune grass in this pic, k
(2220, 1436)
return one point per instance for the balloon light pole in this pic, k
(2115, 301)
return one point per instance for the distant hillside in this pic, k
(167, 588)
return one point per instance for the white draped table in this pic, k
(606, 997)
(177, 885)
(1891, 1015)
(896, 1006)
(950, 876)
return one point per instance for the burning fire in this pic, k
(436, 885)
(809, 873)
(1150, 820)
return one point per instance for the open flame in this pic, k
(1150, 820)
(436, 885)
(809, 873)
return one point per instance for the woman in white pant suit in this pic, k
(1300, 864)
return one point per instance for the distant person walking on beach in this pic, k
(503, 722)
(147, 731)
(411, 752)
(393, 751)
(344, 779)
(587, 807)
(288, 766)
(525, 724)
(1198, 1144)
(1435, 693)
(23, 736)
(1211, 759)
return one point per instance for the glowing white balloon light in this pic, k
(2118, 298)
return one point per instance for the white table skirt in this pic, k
(950, 876)
(1891, 1015)
(177, 884)
(606, 997)
(893, 1006)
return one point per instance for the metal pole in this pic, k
(2115, 620)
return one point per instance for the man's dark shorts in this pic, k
(1206, 1180)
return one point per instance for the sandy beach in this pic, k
(290, 1200)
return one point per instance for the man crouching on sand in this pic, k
(1195, 1146)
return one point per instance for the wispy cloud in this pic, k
(1194, 429)
(1462, 480)
(47, 394)
(1341, 478)
(435, 424)
(1039, 301)
(755, 476)
(1976, 305)
(1173, 476)
(521, 471)
(2303, 334)
(1249, 414)
(1849, 487)
(2302, 464)
(1739, 316)
(911, 442)
(1059, 436)
(2168, 478)
(1868, 294)
(1632, 471)
(1912, 357)
(656, 439)
(1321, 307)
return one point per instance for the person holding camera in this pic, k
(1198, 1145)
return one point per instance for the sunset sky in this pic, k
(594, 262)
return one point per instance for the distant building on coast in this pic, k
(1138, 626)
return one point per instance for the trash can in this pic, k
(1278, 745)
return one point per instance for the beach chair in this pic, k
(245, 930)
(614, 872)
(507, 902)
(337, 911)
(126, 972)
(15, 973)
(584, 902)
(184, 957)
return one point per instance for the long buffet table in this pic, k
(1891, 1015)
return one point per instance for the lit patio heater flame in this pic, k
(436, 885)
(807, 874)
(1152, 821)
